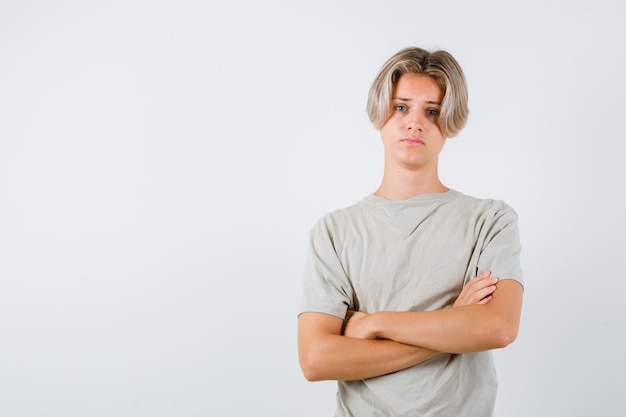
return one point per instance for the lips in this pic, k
(413, 141)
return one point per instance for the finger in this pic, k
(479, 277)
(483, 275)
(483, 292)
(485, 300)
(482, 282)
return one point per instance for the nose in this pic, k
(415, 122)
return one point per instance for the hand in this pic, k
(356, 325)
(477, 291)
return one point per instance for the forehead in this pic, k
(417, 86)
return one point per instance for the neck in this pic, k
(400, 184)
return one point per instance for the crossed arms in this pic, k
(485, 316)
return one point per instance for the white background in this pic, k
(161, 164)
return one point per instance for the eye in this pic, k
(399, 107)
(432, 112)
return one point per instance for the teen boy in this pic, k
(401, 302)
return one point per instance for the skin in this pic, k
(327, 354)
(486, 313)
(470, 328)
(412, 139)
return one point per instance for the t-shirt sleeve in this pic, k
(326, 287)
(501, 246)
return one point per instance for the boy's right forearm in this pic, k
(336, 357)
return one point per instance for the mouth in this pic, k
(413, 141)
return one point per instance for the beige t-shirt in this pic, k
(412, 255)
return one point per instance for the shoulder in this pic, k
(339, 219)
(483, 205)
(484, 212)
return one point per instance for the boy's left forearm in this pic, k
(463, 329)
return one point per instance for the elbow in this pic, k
(504, 339)
(312, 373)
(311, 367)
(504, 335)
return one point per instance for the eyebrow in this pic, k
(408, 99)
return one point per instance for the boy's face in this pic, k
(411, 136)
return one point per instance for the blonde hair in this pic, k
(439, 65)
